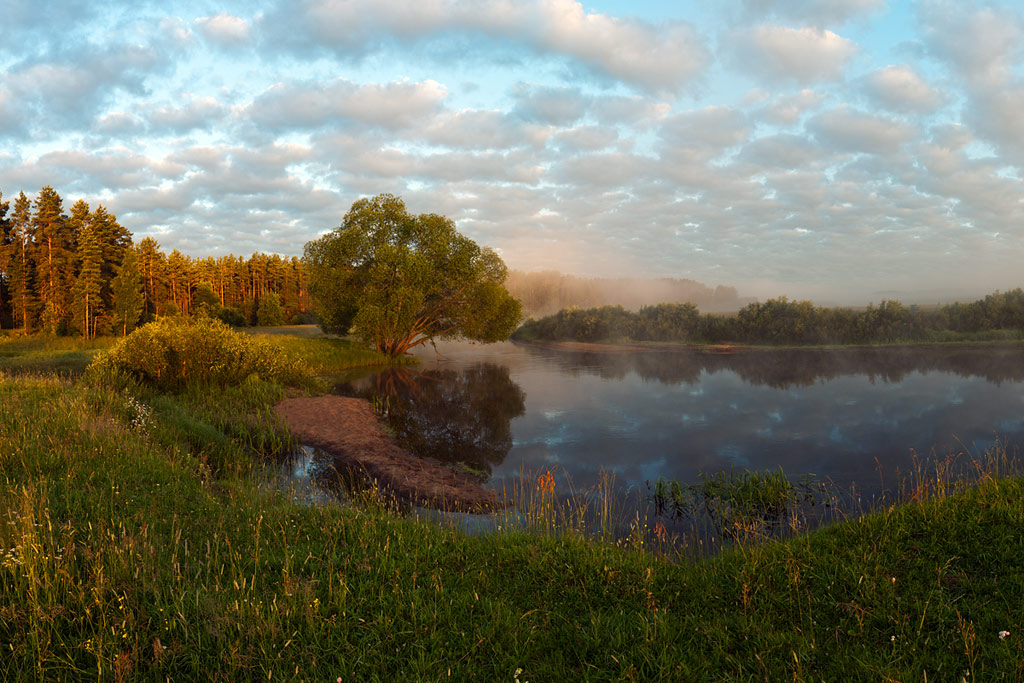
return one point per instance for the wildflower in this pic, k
(546, 482)
(1003, 634)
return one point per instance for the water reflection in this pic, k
(788, 368)
(853, 416)
(459, 416)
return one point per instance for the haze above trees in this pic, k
(546, 292)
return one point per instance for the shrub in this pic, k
(230, 316)
(173, 353)
(269, 311)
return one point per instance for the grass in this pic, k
(67, 356)
(138, 542)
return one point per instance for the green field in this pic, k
(141, 538)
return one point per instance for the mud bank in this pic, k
(348, 429)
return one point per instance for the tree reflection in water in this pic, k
(456, 416)
(788, 368)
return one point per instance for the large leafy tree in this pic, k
(397, 280)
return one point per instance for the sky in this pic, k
(844, 151)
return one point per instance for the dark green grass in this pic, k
(125, 555)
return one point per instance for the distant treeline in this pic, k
(783, 322)
(549, 291)
(80, 273)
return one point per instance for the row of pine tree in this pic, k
(79, 272)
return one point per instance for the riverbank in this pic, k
(140, 539)
(349, 430)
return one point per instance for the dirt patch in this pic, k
(348, 429)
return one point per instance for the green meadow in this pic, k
(144, 537)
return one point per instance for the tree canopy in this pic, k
(397, 280)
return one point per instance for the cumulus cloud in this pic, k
(900, 89)
(780, 151)
(662, 57)
(311, 105)
(548, 105)
(225, 29)
(818, 13)
(787, 110)
(782, 54)
(482, 129)
(711, 130)
(199, 112)
(853, 130)
(68, 90)
(983, 46)
(585, 138)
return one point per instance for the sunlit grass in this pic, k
(67, 356)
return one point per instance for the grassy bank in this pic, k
(137, 543)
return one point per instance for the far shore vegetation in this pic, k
(781, 322)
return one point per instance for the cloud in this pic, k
(68, 90)
(225, 29)
(799, 55)
(996, 116)
(200, 112)
(600, 172)
(549, 105)
(819, 13)
(787, 110)
(652, 57)
(899, 89)
(982, 46)
(476, 129)
(711, 130)
(780, 151)
(585, 138)
(311, 105)
(853, 130)
(630, 111)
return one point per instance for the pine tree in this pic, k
(19, 265)
(88, 287)
(113, 240)
(127, 290)
(152, 265)
(180, 280)
(54, 256)
(6, 247)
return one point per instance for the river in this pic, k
(860, 418)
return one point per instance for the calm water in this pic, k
(852, 416)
